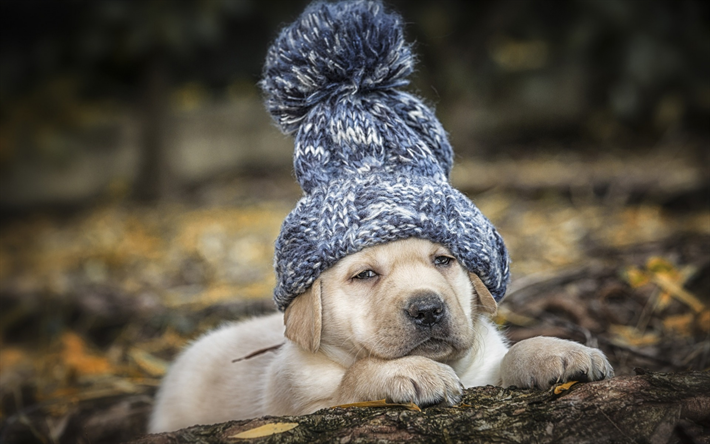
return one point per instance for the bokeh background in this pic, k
(142, 183)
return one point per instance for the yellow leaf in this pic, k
(564, 387)
(704, 321)
(506, 315)
(680, 324)
(663, 301)
(626, 335)
(380, 403)
(670, 280)
(77, 357)
(679, 292)
(266, 430)
(11, 357)
(635, 277)
(148, 363)
(658, 265)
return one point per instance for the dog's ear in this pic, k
(483, 298)
(303, 318)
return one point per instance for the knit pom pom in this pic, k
(334, 49)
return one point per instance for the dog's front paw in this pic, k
(423, 382)
(410, 379)
(542, 362)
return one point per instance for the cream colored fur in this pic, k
(353, 337)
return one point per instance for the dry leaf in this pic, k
(564, 387)
(676, 290)
(380, 403)
(266, 430)
(704, 321)
(76, 356)
(680, 324)
(631, 336)
(659, 265)
(636, 277)
(664, 300)
(506, 315)
(668, 278)
(148, 363)
(11, 357)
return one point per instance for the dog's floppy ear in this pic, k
(303, 318)
(483, 298)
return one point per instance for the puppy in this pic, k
(402, 321)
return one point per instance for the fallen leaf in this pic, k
(677, 291)
(380, 403)
(11, 357)
(149, 363)
(266, 430)
(636, 277)
(77, 357)
(704, 321)
(668, 278)
(564, 387)
(627, 335)
(656, 264)
(680, 324)
(505, 315)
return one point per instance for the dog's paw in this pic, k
(542, 362)
(410, 379)
(424, 382)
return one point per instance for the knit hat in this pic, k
(373, 160)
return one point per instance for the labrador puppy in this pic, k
(402, 321)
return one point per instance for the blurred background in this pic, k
(142, 183)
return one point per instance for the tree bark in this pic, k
(647, 408)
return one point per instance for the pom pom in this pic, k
(352, 47)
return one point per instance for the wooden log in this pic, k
(647, 408)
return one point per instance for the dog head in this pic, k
(409, 297)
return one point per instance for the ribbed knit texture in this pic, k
(373, 160)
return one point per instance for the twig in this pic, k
(258, 352)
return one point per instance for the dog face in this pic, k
(409, 297)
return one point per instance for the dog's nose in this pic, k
(425, 310)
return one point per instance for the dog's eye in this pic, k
(443, 261)
(367, 274)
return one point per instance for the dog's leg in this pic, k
(542, 362)
(411, 378)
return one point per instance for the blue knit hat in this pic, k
(373, 160)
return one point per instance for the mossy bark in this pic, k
(648, 408)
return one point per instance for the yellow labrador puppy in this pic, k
(402, 321)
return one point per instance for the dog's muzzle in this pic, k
(425, 310)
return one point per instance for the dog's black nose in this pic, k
(425, 310)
